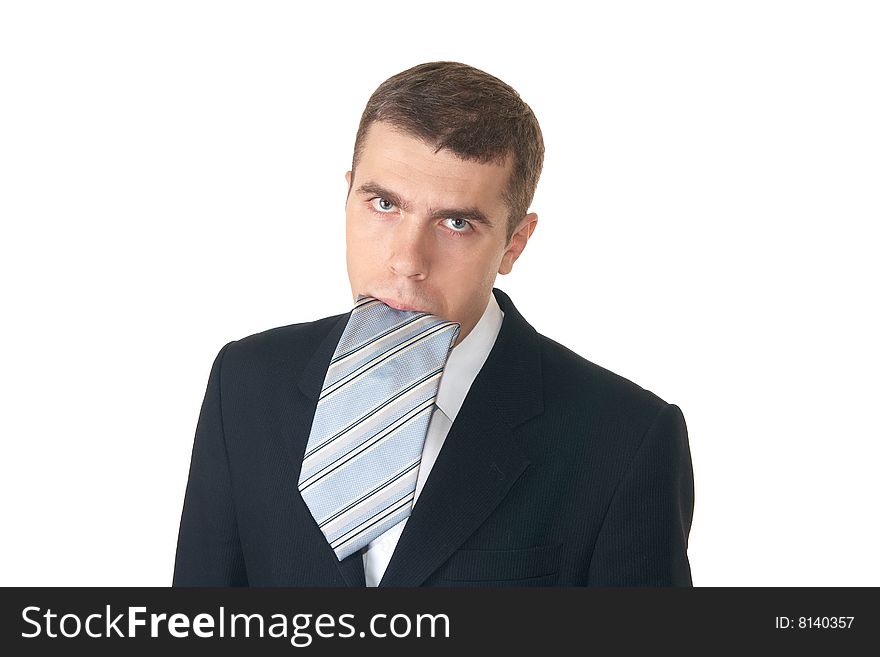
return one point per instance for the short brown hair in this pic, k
(473, 114)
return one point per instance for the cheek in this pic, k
(363, 247)
(359, 227)
(469, 259)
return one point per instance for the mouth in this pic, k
(397, 305)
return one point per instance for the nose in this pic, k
(410, 250)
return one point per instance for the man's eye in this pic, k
(382, 204)
(458, 225)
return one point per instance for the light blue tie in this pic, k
(361, 462)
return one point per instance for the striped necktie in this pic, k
(361, 462)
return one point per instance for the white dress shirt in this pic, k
(462, 367)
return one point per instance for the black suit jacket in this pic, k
(556, 472)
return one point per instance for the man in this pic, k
(536, 467)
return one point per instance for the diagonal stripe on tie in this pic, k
(360, 465)
(410, 343)
(367, 496)
(342, 357)
(372, 413)
(344, 459)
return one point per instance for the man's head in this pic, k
(445, 165)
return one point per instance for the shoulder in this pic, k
(279, 345)
(592, 394)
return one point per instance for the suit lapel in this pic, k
(480, 459)
(301, 412)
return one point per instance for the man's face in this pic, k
(426, 231)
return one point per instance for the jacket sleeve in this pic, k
(644, 536)
(208, 547)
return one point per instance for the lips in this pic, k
(397, 305)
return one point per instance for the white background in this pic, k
(171, 178)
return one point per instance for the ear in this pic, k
(518, 242)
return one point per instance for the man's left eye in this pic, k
(458, 225)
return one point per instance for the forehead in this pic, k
(407, 165)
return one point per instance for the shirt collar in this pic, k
(467, 358)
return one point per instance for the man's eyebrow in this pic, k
(470, 213)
